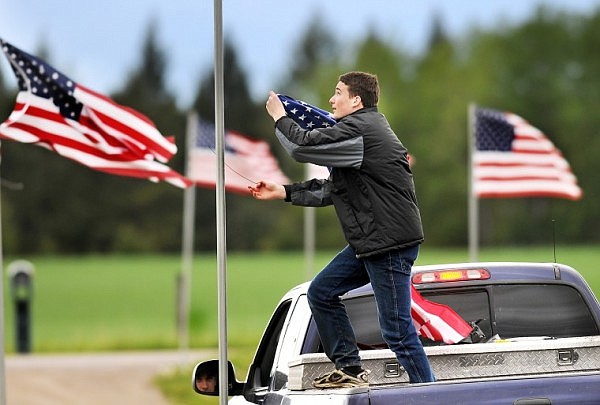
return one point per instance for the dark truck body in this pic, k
(541, 323)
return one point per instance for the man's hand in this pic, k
(275, 106)
(267, 191)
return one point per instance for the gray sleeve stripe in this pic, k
(348, 153)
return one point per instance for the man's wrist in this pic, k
(287, 189)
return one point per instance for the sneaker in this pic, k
(341, 379)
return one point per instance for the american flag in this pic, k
(306, 115)
(246, 160)
(432, 320)
(514, 159)
(437, 322)
(57, 113)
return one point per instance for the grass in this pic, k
(98, 303)
(120, 302)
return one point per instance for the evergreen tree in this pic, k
(247, 229)
(438, 116)
(150, 218)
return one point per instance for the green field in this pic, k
(120, 302)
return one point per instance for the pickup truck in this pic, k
(538, 327)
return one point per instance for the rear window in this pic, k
(508, 311)
(541, 310)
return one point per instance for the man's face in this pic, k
(206, 384)
(342, 103)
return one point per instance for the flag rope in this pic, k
(232, 169)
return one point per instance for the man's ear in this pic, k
(356, 101)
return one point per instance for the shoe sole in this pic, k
(340, 385)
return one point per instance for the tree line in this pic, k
(545, 69)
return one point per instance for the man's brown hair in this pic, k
(364, 85)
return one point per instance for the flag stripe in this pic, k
(127, 126)
(523, 188)
(517, 172)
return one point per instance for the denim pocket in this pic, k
(407, 257)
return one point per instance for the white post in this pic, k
(309, 234)
(187, 250)
(309, 241)
(473, 201)
(310, 221)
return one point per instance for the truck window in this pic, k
(541, 310)
(518, 310)
(473, 305)
(265, 354)
(363, 315)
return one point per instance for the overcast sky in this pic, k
(98, 43)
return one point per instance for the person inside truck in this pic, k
(371, 187)
(206, 383)
(206, 380)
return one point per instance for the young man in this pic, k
(372, 190)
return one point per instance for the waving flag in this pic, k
(55, 112)
(514, 159)
(437, 322)
(246, 160)
(432, 320)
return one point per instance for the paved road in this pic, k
(90, 379)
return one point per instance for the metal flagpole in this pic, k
(187, 250)
(220, 201)
(2, 344)
(473, 201)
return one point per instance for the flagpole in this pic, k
(2, 320)
(187, 252)
(473, 201)
(220, 201)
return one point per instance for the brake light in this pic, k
(442, 276)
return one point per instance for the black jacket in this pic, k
(370, 183)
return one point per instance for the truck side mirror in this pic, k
(205, 379)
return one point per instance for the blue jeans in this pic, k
(389, 274)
